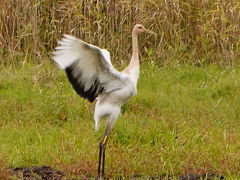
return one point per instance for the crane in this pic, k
(93, 77)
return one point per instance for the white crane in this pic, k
(90, 71)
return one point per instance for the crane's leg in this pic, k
(103, 155)
(99, 160)
(115, 110)
(102, 148)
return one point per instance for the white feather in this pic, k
(89, 63)
(89, 60)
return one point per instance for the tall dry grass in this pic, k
(189, 30)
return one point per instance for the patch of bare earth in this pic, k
(87, 170)
(47, 173)
(38, 173)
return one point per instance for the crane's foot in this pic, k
(101, 162)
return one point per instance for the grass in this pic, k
(184, 119)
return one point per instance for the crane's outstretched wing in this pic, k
(89, 68)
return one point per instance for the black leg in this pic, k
(101, 161)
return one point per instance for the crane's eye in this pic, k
(140, 27)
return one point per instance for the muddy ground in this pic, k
(48, 173)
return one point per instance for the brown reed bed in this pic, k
(192, 31)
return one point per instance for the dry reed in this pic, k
(192, 31)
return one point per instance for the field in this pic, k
(184, 120)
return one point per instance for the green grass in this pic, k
(184, 119)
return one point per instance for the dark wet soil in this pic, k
(204, 176)
(184, 177)
(48, 173)
(38, 173)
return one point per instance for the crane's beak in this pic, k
(149, 32)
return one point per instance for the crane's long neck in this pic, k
(134, 64)
(133, 68)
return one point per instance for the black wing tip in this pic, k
(90, 94)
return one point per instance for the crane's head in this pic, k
(138, 28)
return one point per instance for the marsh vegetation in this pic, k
(185, 118)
